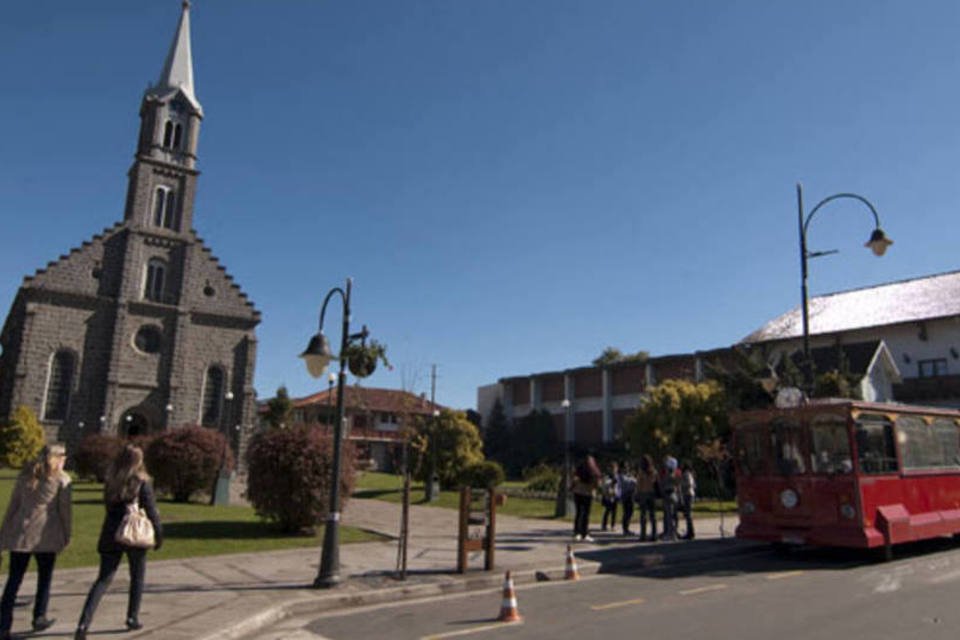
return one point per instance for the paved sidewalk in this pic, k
(233, 596)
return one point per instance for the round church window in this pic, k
(148, 339)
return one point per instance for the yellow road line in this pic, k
(468, 631)
(713, 587)
(614, 605)
(784, 574)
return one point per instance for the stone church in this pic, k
(140, 328)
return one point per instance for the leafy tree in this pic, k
(748, 383)
(496, 436)
(612, 355)
(185, 460)
(290, 473)
(676, 416)
(21, 439)
(453, 439)
(532, 440)
(280, 409)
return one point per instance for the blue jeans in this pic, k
(137, 559)
(581, 521)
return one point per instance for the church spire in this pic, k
(178, 67)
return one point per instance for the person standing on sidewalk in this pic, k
(688, 493)
(610, 496)
(647, 497)
(37, 523)
(669, 480)
(628, 487)
(127, 482)
(586, 479)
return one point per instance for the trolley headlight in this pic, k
(848, 512)
(747, 508)
(789, 498)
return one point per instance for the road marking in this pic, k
(466, 632)
(712, 587)
(784, 574)
(614, 605)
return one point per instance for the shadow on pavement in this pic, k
(736, 557)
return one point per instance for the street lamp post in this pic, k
(562, 508)
(331, 380)
(317, 356)
(877, 243)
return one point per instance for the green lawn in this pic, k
(190, 530)
(389, 487)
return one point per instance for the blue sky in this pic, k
(513, 184)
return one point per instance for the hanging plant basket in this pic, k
(362, 358)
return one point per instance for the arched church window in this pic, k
(212, 396)
(59, 385)
(165, 212)
(168, 134)
(155, 280)
(177, 135)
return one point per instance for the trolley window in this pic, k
(927, 446)
(876, 452)
(788, 447)
(949, 437)
(752, 449)
(831, 445)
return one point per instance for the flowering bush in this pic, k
(290, 473)
(185, 460)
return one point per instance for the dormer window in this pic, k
(155, 280)
(165, 214)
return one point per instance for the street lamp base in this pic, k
(326, 582)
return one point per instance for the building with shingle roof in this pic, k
(917, 319)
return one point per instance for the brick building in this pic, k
(373, 417)
(590, 405)
(139, 328)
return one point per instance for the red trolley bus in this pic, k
(848, 474)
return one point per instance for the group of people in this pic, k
(38, 522)
(674, 485)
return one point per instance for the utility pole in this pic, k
(432, 490)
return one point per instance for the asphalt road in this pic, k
(812, 594)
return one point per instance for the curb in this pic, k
(493, 580)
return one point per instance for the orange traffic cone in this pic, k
(571, 572)
(508, 610)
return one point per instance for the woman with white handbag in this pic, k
(37, 523)
(131, 526)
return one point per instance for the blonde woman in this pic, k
(37, 523)
(127, 481)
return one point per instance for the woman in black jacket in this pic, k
(127, 481)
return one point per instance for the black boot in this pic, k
(133, 624)
(80, 633)
(42, 623)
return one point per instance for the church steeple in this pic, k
(178, 68)
(163, 176)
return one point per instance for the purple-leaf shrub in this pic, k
(185, 460)
(290, 471)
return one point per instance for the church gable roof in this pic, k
(915, 300)
(79, 271)
(211, 289)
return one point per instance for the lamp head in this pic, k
(317, 355)
(878, 242)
